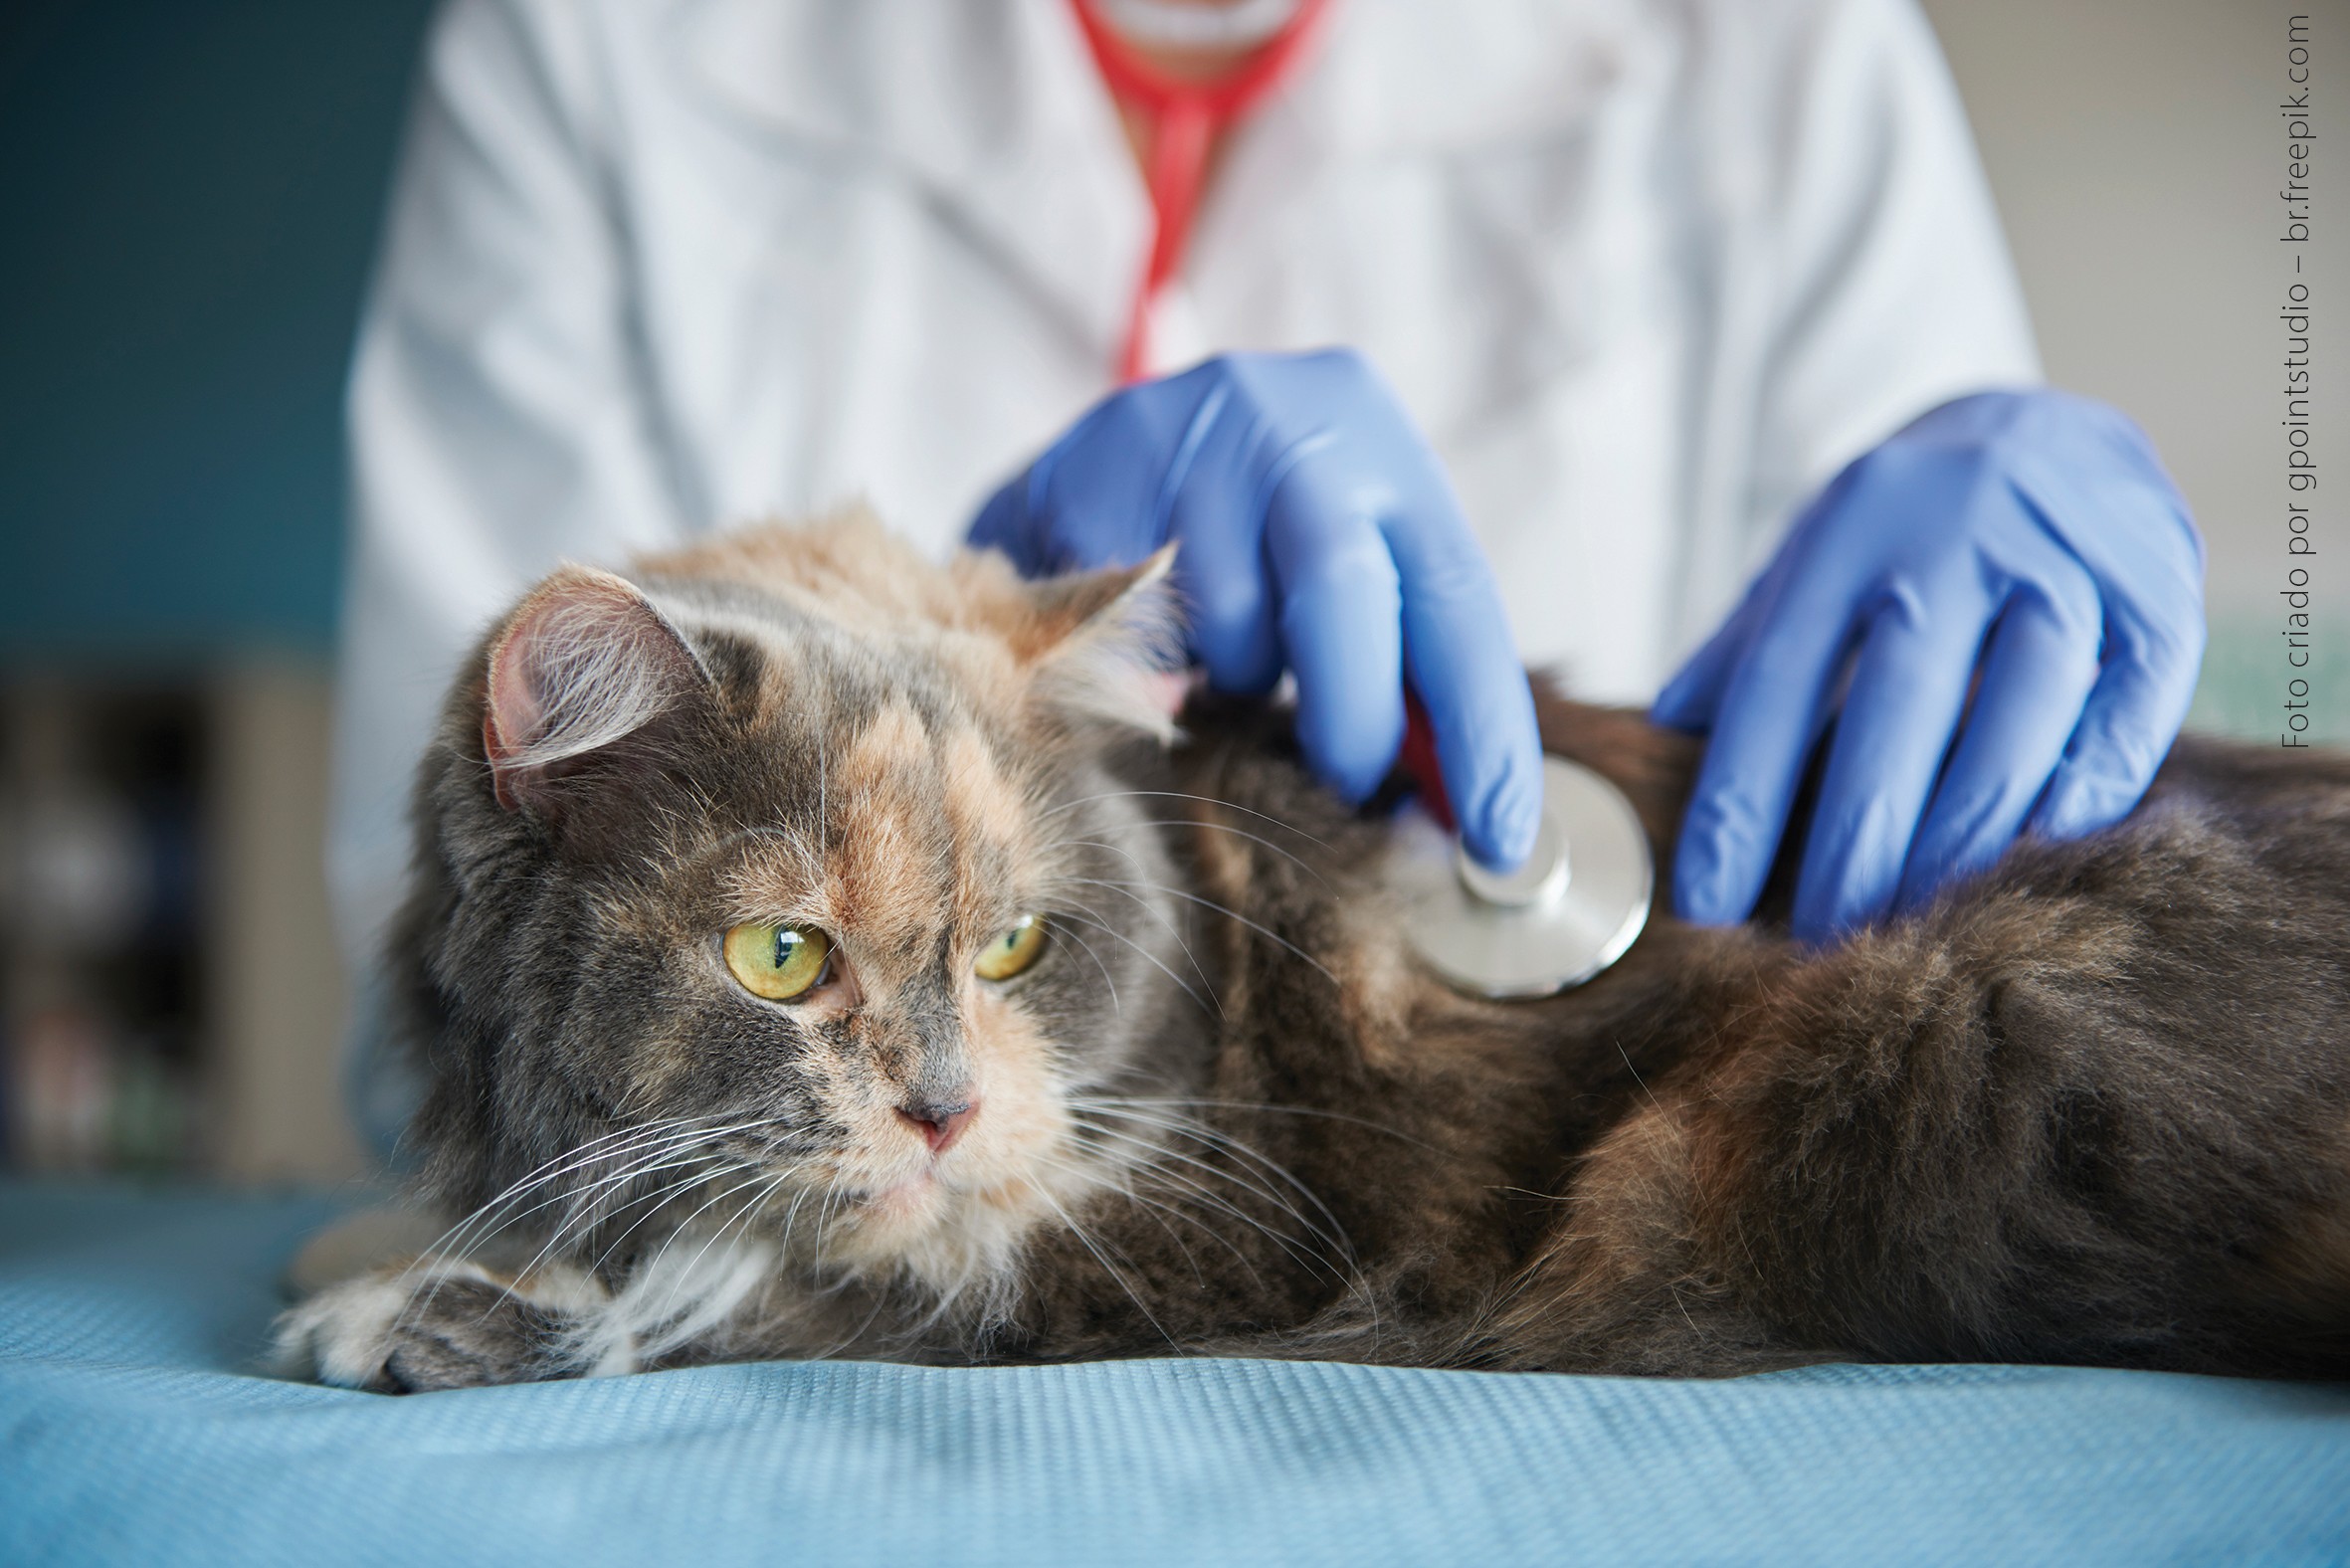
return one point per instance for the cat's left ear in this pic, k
(584, 664)
(1110, 645)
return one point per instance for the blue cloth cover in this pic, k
(134, 1430)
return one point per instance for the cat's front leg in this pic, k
(441, 1324)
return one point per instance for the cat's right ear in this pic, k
(584, 663)
(1112, 644)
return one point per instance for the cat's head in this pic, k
(791, 876)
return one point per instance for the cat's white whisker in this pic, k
(1346, 1270)
(833, 1193)
(783, 1238)
(1094, 918)
(662, 1154)
(1176, 794)
(581, 1220)
(537, 1178)
(1175, 1122)
(1241, 1179)
(1167, 1116)
(1123, 1189)
(1214, 1137)
(676, 1152)
(654, 1199)
(684, 1228)
(1229, 914)
(1204, 1194)
(631, 1332)
(1155, 912)
(698, 1173)
(1181, 1102)
(1102, 1257)
(1057, 928)
(628, 1143)
(1132, 1168)
(1290, 855)
(434, 1260)
(662, 1327)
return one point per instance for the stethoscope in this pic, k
(1583, 895)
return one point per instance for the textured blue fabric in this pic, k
(134, 1430)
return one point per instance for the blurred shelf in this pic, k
(170, 999)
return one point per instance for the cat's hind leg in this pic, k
(2078, 1117)
(1623, 1284)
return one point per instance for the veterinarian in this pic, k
(1664, 326)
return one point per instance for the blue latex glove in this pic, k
(1319, 534)
(2014, 585)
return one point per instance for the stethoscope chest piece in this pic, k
(1573, 910)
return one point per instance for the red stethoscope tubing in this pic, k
(1184, 119)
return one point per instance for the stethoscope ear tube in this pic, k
(1184, 118)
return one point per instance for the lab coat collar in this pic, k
(993, 107)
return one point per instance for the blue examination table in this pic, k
(135, 1428)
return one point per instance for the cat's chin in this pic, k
(910, 1208)
(911, 1193)
(944, 1234)
(960, 1218)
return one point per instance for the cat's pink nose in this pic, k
(940, 1121)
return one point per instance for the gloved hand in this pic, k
(1319, 533)
(2030, 539)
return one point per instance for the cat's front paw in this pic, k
(436, 1325)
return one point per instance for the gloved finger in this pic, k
(1464, 666)
(1909, 689)
(1769, 716)
(1690, 698)
(1020, 518)
(1005, 523)
(1093, 498)
(1693, 696)
(1341, 625)
(1221, 490)
(2126, 728)
(2036, 674)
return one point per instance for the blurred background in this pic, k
(191, 189)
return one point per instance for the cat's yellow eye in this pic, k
(778, 962)
(1013, 951)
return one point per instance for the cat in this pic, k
(819, 951)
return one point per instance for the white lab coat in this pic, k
(1647, 272)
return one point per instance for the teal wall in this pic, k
(189, 192)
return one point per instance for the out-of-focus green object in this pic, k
(2245, 684)
(188, 203)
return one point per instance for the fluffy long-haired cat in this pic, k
(818, 952)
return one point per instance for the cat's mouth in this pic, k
(895, 1192)
(906, 1198)
(930, 1188)
(938, 1226)
(945, 1208)
(904, 1205)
